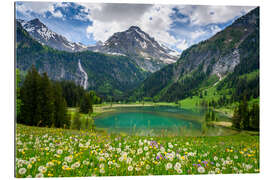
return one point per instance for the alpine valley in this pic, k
(131, 65)
(130, 106)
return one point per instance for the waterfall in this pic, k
(85, 76)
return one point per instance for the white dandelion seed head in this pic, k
(59, 151)
(177, 166)
(168, 166)
(130, 168)
(102, 171)
(22, 171)
(179, 171)
(201, 169)
(39, 175)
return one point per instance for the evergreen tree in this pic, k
(255, 117)
(46, 101)
(241, 117)
(60, 108)
(30, 96)
(86, 104)
(18, 100)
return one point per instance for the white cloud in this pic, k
(109, 19)
(197, 33)
(199, 22)
(203, 15)
(38, 7)
(182, 45)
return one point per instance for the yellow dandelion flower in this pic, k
(183, 157)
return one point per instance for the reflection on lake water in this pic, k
(159, 120)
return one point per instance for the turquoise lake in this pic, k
(158, 120)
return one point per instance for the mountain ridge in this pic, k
(45, 36)
(214, 58)
(108, 75)
(135, 43)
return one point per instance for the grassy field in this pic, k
(49, 152)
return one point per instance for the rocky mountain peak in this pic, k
(136, 43)
(45, 36)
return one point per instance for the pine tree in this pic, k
(47, 101)
(86, 104)
(60, 108)
(18, 100)
(255, 117)
(236, 118)
(30, 96)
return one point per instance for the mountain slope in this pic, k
(137, 44)
(108, 75)
(45, 36)
(234, 48)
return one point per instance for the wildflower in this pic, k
(39, 175)
(32, 160)
(177, 166)
(49, 164)
(147, 166)
(130, 168)
(101, 166)
(64, 167)
(129, 160)
(59, 151)
(145, 148)
(69, 159)
(22, 171)
(85, 162)
(215, 158)
(168, 166)
(179, 171)
(139, 151)
(137, 168)
(42, 169)
(201, 169)
(20, 163)
(77, 164)
(102, 171)
(29, 166)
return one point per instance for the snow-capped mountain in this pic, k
(147, 52)
(45, 36)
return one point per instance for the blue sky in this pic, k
(177, 26)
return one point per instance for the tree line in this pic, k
(246, 118)
(42, 102)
